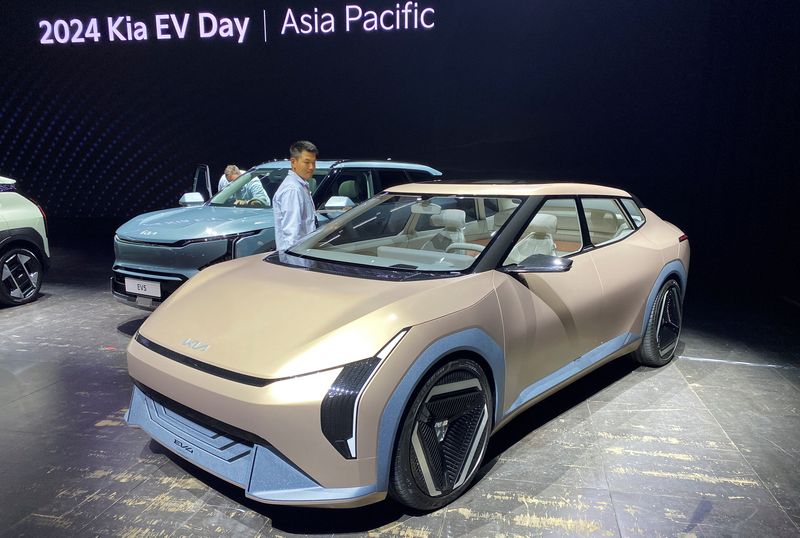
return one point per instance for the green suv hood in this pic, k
(186, 223)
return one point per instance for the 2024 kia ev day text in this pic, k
(379, 354)
(157, 252)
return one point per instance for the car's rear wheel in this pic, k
(20, 276)
(663, 328)
(443, 436)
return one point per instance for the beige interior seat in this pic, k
(453, 221)
(539, 239)
(603, 225)
(506, 207)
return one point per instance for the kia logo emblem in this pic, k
(196, 345)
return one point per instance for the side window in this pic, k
(554, 231)
(634, 211)
(491, 206)
(390, 178)
(498, 212)
(271, 180)
(424, 223)
(353, 184)
(419, 175)
(605, 220)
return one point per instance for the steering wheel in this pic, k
(464, 246)
(253, 202)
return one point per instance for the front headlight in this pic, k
(340, 405)
(229, 237)
(230, 252)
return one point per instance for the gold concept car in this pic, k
(379, 354)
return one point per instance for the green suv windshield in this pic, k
(255, 188)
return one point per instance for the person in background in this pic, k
(293, 206)
(231, 173)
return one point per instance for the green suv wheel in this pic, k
(20, 276)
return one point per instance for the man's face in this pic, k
(233, 176)
(304, 165)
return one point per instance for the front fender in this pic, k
(474, 340)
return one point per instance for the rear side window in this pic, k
(390, 178)
(634, 211)
(354, 184)
(419, 175)
(605, 220)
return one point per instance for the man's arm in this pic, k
(257, 191)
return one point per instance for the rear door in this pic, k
(625, 263)
(201, 181)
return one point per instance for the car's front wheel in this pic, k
(663, 327)
(20, 276)
(443, 436)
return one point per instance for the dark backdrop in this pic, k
(691, 105)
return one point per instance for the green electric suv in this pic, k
(157, 252)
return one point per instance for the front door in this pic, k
(549, 319)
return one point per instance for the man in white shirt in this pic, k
(292, 203)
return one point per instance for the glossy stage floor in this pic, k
(706, 446)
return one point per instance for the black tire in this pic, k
(20, 276)
(443, 436)
(663, 329)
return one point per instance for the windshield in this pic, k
(411, 232)
(255, 188)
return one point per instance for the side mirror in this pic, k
(540, 263)
(191, 199)
(339, 203)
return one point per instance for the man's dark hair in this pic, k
(300, 146)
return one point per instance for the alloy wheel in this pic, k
(669, 321)
(20, 275)
(448, 434)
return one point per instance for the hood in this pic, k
(172, 225)
(272, 321)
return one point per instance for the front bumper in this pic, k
(165, 264)
(168, 285)
(254, 465)
(290, 459)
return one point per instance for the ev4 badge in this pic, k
(186, 447)
(148, 232)
(196, 345)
